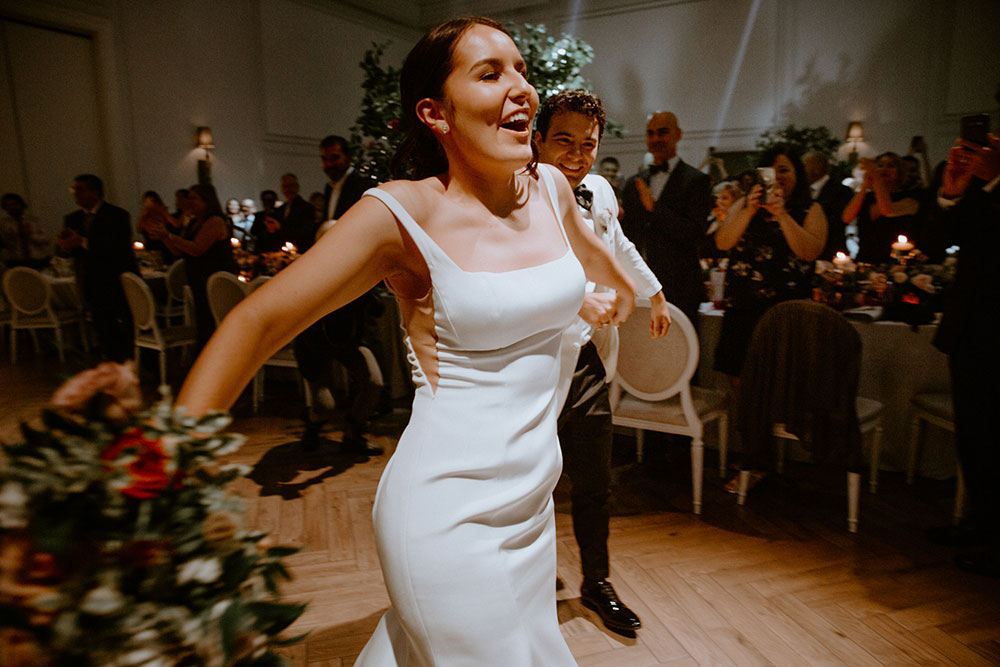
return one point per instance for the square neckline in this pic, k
(551, 195)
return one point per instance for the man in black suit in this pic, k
(969, 216)
(346, 336)
(297, 218)
(345, 186)
(666, 215)
(99, 238)
(832, 198)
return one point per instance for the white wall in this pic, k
(271, 77)
(902, 67)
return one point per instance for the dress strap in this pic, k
(428, 248)
(550, 186)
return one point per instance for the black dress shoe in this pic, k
(985, 562)
(600, 596)
(360, 447)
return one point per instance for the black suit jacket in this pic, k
(833, 199)
(971, 310)
(108, 253)
(298, 223)
(669, 237)
(354, 186)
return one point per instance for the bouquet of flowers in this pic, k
(119, 543)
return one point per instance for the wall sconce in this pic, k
(204, 141)
(855, 136)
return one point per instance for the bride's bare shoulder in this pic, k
(419, 198)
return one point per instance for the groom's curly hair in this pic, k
(578, 101)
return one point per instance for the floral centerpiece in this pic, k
(910, 292)
(119, 543)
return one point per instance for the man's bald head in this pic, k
(662, 135)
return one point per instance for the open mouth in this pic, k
(517, 122)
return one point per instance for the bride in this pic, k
(487, 255)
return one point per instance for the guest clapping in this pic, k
(154, 214)
(204, 244)
(884, 210)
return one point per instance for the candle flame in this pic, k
(901, 239)
(241, 278)
(840, 255)
(138, 245)
(235, 242)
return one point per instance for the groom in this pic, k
(568, 133)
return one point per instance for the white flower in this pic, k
(201, 570)
(102, 601)
(219, 609)
(13, 506)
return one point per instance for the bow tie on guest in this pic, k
(657, 168)
(584, 197)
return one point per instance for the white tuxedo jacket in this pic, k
(603, 215)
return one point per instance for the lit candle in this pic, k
(138, 245)
(242, 278)
(902, 244)
(235, 242)
(841, 261)
(288, 247)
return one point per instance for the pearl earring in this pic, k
(444, 128)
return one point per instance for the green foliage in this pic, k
(554, 64)
(149, 560)
(804, 138)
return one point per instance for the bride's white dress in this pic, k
(463, 514)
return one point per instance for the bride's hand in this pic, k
(598, 309)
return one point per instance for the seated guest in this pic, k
(317, 200)
(23, 242)
(266, 230)
(773, 240)
(884, 210)
(233, 215)
(153, 213)
(726, 193)
(204, 244)
(180, 196)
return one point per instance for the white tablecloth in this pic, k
(896, 363)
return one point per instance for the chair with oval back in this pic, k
(652, 389)
(224, 291)
(30, 298)
(148, 332)
(176, 279)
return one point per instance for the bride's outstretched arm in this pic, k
(364, 247)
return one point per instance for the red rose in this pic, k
(147, 464)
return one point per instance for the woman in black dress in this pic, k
(884, 209)
(772, 247)
(206, 248)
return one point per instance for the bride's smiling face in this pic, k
(488, 103)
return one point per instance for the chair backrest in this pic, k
(140, 302)
(27, 290)
(656, 369)
(257, 282)
(802, 368)
(176, 280)
(224, 291)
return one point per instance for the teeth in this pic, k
(519, 117)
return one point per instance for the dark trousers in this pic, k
(113, 323)
(973, 377)
(585, 435)
(316, 352)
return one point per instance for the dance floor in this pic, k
(777, 582)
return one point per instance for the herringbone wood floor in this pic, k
(778, 582)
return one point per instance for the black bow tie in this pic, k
(584, 197)
(657, 168)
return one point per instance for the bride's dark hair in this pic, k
(427, 66)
